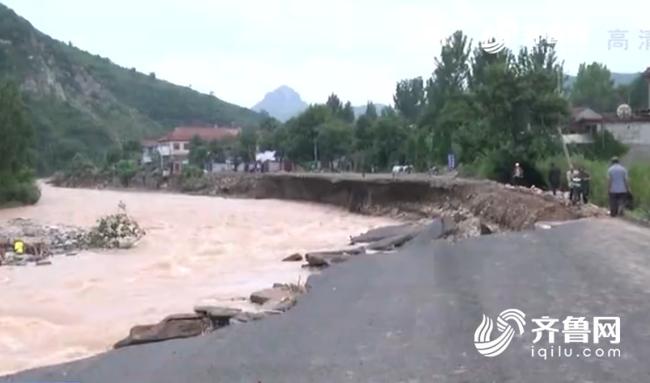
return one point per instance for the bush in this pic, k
(115, 230)
(498, 165)
(640, 184)
(81, 167)
(126, 170)
(22, 192)
(191, 171)
(605, 146)
(193, 179)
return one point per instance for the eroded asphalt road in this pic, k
(411, 316)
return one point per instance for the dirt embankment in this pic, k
(421, 196)
(414, 196)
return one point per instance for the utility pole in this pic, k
(559, 91)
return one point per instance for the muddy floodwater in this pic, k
(197, 250)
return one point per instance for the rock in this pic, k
(275, 297)
(293, 258)
(219, 316)
(247, 316)
(381, 233)
(316, 260)
(71, 254)
(43, 262)
(126, 243)
(485, 229)
(276, 294)
(15, 262)
(172, 327)
(391, 243)
(283, 305)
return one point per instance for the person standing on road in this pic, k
(585, 185)
(618, 187)
(554, 178)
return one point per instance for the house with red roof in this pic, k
(173, 148)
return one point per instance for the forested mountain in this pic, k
(80, 102)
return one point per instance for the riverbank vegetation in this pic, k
(17, 184)
(488, 110)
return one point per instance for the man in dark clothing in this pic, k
(585, 185)
(554, 178)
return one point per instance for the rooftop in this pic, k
(186, 133)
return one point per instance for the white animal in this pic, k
(397, 169)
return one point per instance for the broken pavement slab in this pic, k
(296, 257)
(218, 315)
(279, 298)
(384, 232)
(326, 258)
(271, 294)
(172, 327)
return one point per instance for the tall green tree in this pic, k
(446, 94)
(198, 155)
(247, 145)
(371, 111)
(638, 93)
(594, 88)
(334, 104)
(347, 114)
(16, 148)
(409, 98)
(335, 141)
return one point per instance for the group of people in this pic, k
(579, 183)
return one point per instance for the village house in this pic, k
(173, 149)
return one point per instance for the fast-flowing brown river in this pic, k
(197, 250)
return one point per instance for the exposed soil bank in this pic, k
(413, 195)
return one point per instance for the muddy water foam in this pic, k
(197, 250)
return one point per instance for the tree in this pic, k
(303, 132)
(199, 152)
(638, 93)
(371, 111)
(126, 170)
(16, 146)
(409, 98)
(335, 141)
(445, 94)
(347, 114)
(247, 145)
(594, 88)
(389, 137)
(334, 104)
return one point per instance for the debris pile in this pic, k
(117, 230)
(39, 241)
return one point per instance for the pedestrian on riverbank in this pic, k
(585, 184)
(554, 178)
(618, 187)
(518, 175)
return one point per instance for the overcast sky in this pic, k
(242, 49)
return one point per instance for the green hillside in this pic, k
(79, 102)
